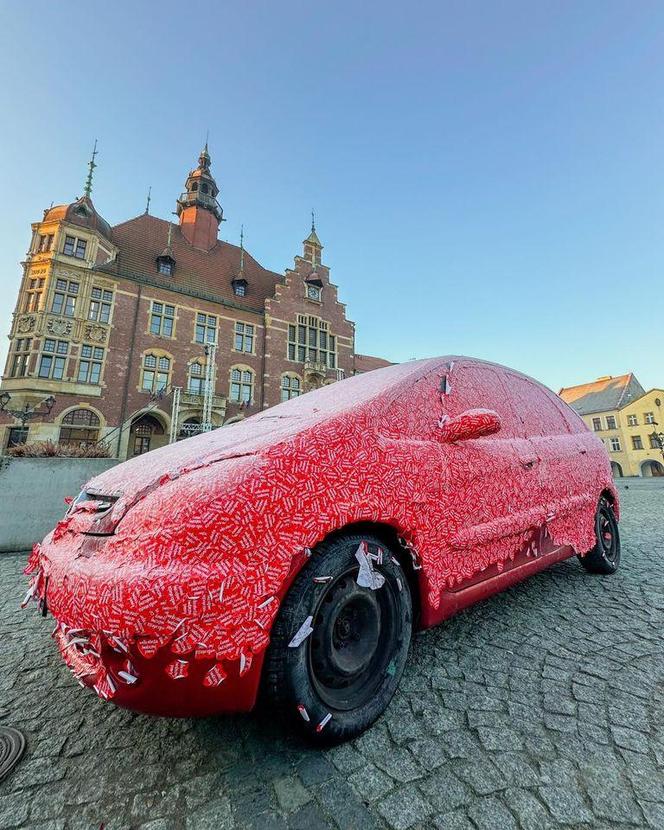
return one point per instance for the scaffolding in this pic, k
(175, 411)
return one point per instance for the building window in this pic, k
(196, 383)
(311, 341)
(632, 421)
(100, 305)
(239, 288)
(597, 424)
(242, 385)
(610, 422)
(206, 328)
(649, 418)
(53, 359)
(33, 297)
(89, 367)
(637, 443)
(17, 435)
(80, 427)
(291, 387)
(244, 337)
(64, 299)
(314, 291)
(156, 371)
(165, 267)
(654, 442)
(615, 444)
(162, 319)
(44, 243)
(74, 247)
(19, 364)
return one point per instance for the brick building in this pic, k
(109, 321)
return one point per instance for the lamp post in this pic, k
(28, 412)
(658, 439)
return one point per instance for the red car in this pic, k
(295, 552)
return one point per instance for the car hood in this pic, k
(255, 435)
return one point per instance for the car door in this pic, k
(543, 424)
(488, 498)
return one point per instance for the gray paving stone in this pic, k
(291, 793)
(566, 804)
(371, 783)
(445, 791)
(530, 812)
(491, 814)
(404, 808)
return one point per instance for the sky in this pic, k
(488, 177)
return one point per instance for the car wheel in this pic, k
(604, 558)
(340, 641)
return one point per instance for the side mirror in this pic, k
(473, 423)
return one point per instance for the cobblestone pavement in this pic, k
(542, 707)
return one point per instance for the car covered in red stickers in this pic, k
(293, 554)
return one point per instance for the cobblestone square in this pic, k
(541, 707)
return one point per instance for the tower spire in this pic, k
(241, 250)
(147, 204)
(312, 244)
(87, 190)
(198, 209)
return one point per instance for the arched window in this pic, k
(242, 385)
(291, 387)
(156, 373)
(196, 382)
(204, 188)
(80, 427)
(194, 186)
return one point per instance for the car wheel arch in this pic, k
(392, 539)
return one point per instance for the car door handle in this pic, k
(529, 463)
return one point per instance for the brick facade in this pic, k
(106, 323)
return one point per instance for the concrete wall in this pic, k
(32, 492)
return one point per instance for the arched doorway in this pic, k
(616, 469)
(189, 427)
(147, 433)
(650, 469)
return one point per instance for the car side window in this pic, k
(537, 410)
(475, 386)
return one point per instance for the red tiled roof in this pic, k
(365, 363)
(143, 239)
(603, 394)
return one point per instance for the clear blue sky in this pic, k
(488, 177)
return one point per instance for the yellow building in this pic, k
(629, 420)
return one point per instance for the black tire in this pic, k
(604, 558)
(341, 677)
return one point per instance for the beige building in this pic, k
(629, 420)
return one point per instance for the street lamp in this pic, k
(28, 412)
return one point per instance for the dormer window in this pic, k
(165, 266)
(239, 287)
(74, 247)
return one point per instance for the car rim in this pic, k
(351, 648)
(606, 534)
